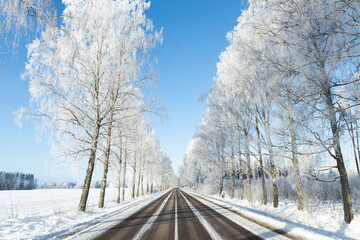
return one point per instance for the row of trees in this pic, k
(17, 181)
(86, 78)
(287, 89)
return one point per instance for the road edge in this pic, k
(248, 218)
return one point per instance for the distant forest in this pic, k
(26, 181)
(17, 181)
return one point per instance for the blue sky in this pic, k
(194, 36)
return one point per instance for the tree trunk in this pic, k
(233, 183)
(134, 176)
(354, 146)
(142, 184)
(147, 185)
(106, 161)
(221, 185)
(272, 170)
(248, 168)
(139, 179)
(240, 167)
(90, 169)
(294, 158)
(232, 170)
(344, 181)
(162, 182)
(263, 185)
(124, 175)
(119, 183)
(357, 138)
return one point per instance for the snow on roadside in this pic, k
(322, 223)
(52, 213)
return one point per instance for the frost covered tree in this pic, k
(288, 86)
(21, 17)
(77, 75)
(127, 105)
(326, 60)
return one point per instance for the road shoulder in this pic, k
(93, 231)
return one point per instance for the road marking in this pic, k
(213, 234)
(176, 219)
(149, 222)
(253, 227)
(100, 226)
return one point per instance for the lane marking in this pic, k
(176, 219)
(151, 220)
(107, 222)
(213, 234)
(234, 216)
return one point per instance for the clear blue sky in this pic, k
(194, 36)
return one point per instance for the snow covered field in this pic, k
(322, 223)
(52, 213)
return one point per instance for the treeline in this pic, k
(287, 93)
(86, 76)
(68, 185)
(17, 181)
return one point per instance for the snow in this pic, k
(323, 222)
(52, 213)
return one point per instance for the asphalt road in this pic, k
(177, 215)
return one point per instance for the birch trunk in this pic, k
(139, 179)
(232, 171)
(134, 177)
(344, 181)
(248, 168)
(142, 184)
(94, 140)
(240, 166)
(354, 146)
(119, 183)
(272, 169)
(357, 140)
(147, 185)
(260, 159)
(124, 175)
(120, 165)
(90, 169)
(295, 162)
(221, 182)
(106, 161)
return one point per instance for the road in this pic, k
(177, 215)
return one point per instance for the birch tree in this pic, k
(72, 73)
(325, 62)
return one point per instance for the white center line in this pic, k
(149, 222)
(176, 219)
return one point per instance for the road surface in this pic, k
(177, 215)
